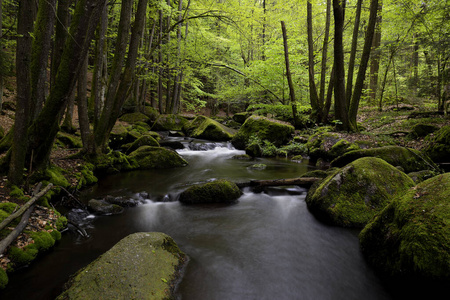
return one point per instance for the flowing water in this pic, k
(266, 246)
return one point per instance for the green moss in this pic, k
(145, 140)
(257, 167)
(54, 174)
(206, 128)
(276, 132)
(438, 147)
(218, 191)
(351, 196)
(133, 118)
(43, 240)
(8, 207)
(69, 140)
(411, 236)
(169, 122)
(22, 257)
(3, 278)
(148, 157)
(113, 162)
(61, 223)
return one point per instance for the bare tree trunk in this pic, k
(375, 58)
(160, 61)
(22, 117)
(325, 53)
(288, 73)
(60, 36)
(359, 84)
(313, 97)
(82, 101)
(1, 54)
(67, 125)
(340, 106)
(327, 105)
(351, 64)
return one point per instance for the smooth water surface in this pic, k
(266, 246)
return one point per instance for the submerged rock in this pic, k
(104, 208)
(409, 159)
(141, 266)
(274, 131)
(218, 191)
(411, 236)
(149, 157)
(351, 196)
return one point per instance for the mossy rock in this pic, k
(133, 118)
(113, 162)
(218, 191)
(148, 157)
(410, 160)
(276, 132)
(151, 112)
(208, 129)
(423, 175)
(438, 148)
(169, 122)
(411, 236)
(422, 130)
(328, 146)
(104, 208)
(86, 175)
(121, 135)
(145, 140)
(257, 167)
(351, 196)
(140, 266)
(240, 117)
(42, 241)
(69, 140)
(3, 278)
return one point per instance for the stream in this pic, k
(266, 246)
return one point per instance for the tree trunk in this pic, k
(325, 55)
(351, 64)
(96, 101)
(44, 129)
(160, 68)
(313, 97)
(67, 125)
(288, 73)
(83, 118)
(22, 116)
(359, 84)
(114, 105)
(327, 105)
(375, 58)
(60, 37)
(340, 106)
(1, 55)
(43, 30)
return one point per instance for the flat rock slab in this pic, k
(143, 265)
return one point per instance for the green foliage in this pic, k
(3, 278)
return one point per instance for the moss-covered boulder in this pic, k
(240, 117)
(218, 191)
(263, 128)
(411, 236)
(208, 129)
(141, 266)
(328, 146)
(438, 148)
(133, 118)
(409, 159)
(121, 135)
(169, 122)
(113, 162)
(351, 196)
(145, 140)
(148, 157)
(422, 130)
(151, 112)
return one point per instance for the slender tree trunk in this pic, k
(169, 104)
(340, 106)
(23, 75)
(383, 85)
(160, 68)
(177, 83)
(375, 58)
(325, 54)
(44, 129)
(359, 84)
(327, 105)
(1, 54)
(96, 101)
(61, 26)
(313, 97)
(67, 125)
(288, 73)
(82, 101)
(351, 64)
(126, 79)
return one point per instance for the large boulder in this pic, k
(133, 118)
(169, 122)
(328, 146)
(351, 196)
(141, 266)
(218, 191)
(274, 131)
(149, 157)
(208, 129)
(411, 236)
(410, 160)
(438, 148)
(145, 140)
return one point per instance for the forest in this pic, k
(87, 87)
